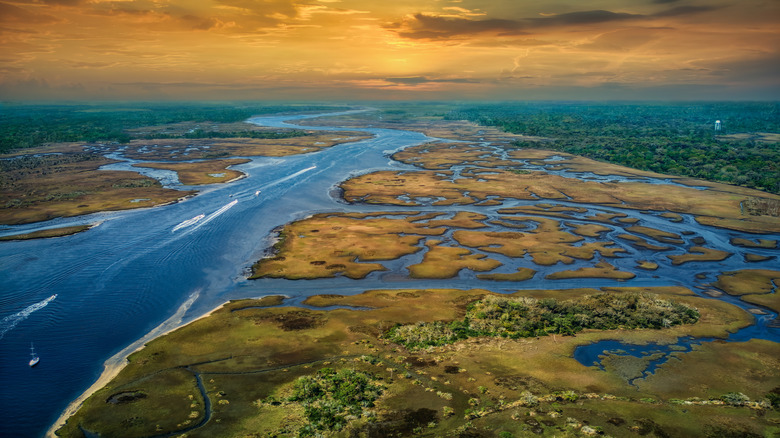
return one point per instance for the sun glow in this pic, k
(133, 48)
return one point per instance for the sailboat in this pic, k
(35, 359)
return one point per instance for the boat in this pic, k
(257, 192)
(188, 222)
(35, 359)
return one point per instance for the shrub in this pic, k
(735, 399)
(512, 317)
(330, 396)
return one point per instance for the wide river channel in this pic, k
(87, 300)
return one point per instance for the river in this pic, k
(85, 298)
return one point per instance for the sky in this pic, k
(389, 49)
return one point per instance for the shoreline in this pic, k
(113, 365)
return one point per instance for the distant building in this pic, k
(717, 125)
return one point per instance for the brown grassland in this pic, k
(326, 245)
(71, 185)
(52, 232)
(749, 257)
(446, 261)
(760, 243)
(522, 274)
(202, 172)
(179, 149)
(718, 205)
(545, 248)
(62, 179)
(642, 243)
(329, 244)
(757, 286)
(600, 270)
(647, 265)
(700, 254)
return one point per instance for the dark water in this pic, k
(592, 354)
(131, 274)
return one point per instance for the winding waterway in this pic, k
(85, 298)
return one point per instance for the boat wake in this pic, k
(289, 177)
(9, 322)
(188, 223)
(213, 216)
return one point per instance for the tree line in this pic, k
(24, 126)
(677, 139)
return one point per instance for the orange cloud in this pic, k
(427, 48)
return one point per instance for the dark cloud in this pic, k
(432, 27)
(747, 71)
(426, 26)
(415, 80)
(91, 65)
(583, 18)
(62, 2)
(684, 10)
(51, 2)
(200, 23)
(11, 13)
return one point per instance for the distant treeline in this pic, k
(23, 126)
(678, 139)
(199, 133)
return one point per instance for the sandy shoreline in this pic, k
(117, 362)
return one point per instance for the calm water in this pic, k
(83, 298)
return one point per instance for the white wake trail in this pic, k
(289, 177)
(214, 215)
(188, 222)
(9, 322)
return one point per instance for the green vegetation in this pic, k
(250, 358)
(330, 396)
(677, 139)
(24, 126)
(524, 317)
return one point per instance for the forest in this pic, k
(25, 126)
(676, 139)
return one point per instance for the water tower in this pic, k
(717, 125)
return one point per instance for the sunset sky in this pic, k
(389, 49)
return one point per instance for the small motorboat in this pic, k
(34, 359)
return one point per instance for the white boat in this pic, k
(35, 359)
(188, 222)
(257, 192)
